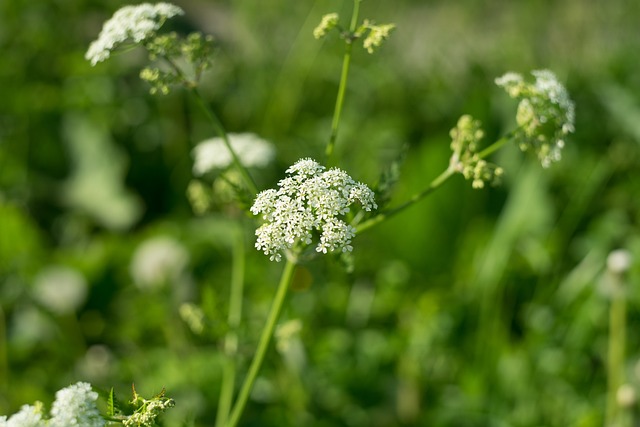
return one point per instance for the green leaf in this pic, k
(110, 403)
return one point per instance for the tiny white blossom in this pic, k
(130, 23)
(545, 114)
(158, 260)
(310, 200)
(212, 154)
(76, 406)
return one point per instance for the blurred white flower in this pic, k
(310, 200)
(130, 23)
(76, 406)
(212, 154)
(158, 261)
(61, 289)
(619, 261)
(28, 416)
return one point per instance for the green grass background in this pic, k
(473, 308)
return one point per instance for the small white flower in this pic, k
(310, 200)
(157, 261)
(213, 154)
(130, 23)
(76, 406)
(61, 289)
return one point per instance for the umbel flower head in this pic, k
(310, 200)
(465, 139)
(133, 24)
(545, 113)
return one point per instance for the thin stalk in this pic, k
(337, 112)
(617, 344)
(434, 185)
(213, 118)
(263, 344)
(231, 339)
(215, 121)
(4, 360)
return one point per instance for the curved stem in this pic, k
(213, 118)
(335, 123)
(265, 339)
(231, 339)
(383, 216)
(435, 184)
(215, 121)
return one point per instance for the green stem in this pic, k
(231, 339)
(265, 339)
(617, 344)
(4, 360)
(248, 180)
(434, 185)
(337, 112)
(215, 121)
(383, 216)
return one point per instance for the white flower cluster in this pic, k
(130, 23)
(28, 416)
(213, 154)
(545, 113)
(74, 406)
(310, 199)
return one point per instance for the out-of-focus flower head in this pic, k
(212, 154)
(328, 22)
(545, 114)
(310, 200)
(61, 289)
(158, 261)
(378, 34)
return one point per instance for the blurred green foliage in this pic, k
(474, 308)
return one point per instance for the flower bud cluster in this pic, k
(328, 23)
(310, 200)
(545, 113)
(465, 139)
(375, 34)
(148, 410)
